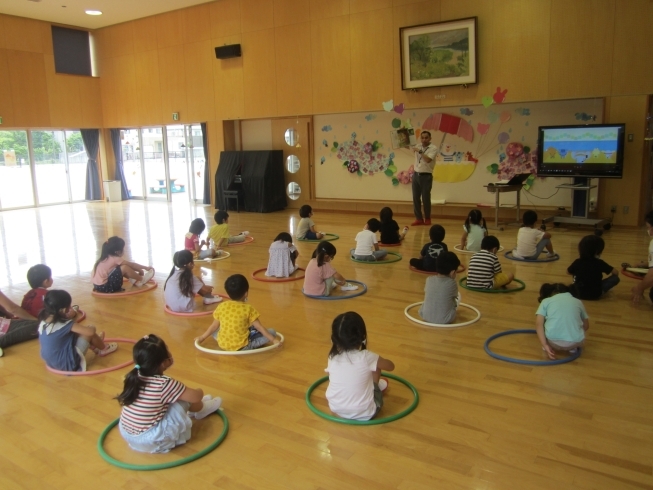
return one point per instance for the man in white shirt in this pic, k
(423, 178)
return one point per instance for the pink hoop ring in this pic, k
(82, 317)
(632, 275)
(461, 268)
(389, 244)
(280, 279)
(248, 239)
(167, 309)
(97, 371)
(151, 284)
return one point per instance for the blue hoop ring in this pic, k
(333, 298)
(572, 357)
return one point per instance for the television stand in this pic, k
(580, 208)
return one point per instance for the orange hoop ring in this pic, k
(279, 279)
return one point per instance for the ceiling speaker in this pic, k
(228, 51)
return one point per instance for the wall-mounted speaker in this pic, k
(228, 51)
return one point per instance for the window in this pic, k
(72, 51)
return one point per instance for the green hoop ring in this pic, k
(160, 466)
(383, 420)
(379, 262)
(479, 290)
(332, 237)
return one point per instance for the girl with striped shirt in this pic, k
(157, 410)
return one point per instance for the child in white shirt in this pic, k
(367, 246)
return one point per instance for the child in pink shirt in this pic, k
(110, 268)
(320, 277)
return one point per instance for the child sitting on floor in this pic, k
(110, 268)
(157, 410)
(39, 278)
(485, 269)
(63, 342)
(193, 244)
(355, 384)
(389, 228)
(219, 235)
(430, 252)
(283, 255)
(320, 277)
(181, 286)
(367, 246)
(531, 242)
(236, 324)
(441, 297)
(306, 226)
(561, 320)
(588, 270)
(474, 230)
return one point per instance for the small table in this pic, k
(498, 189)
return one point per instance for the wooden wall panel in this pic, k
(331, 64)
(198, 63)
(356, 6)
(22, 34)
(626, 191)
(228, 83)
(63, 97)
(288, 12)
(489, 78)
(29, 90)
(294, 77)
(632, 65)
(371, 59)
(580, 63)
(126, 101)
(197, 23)
(144, 32)
(169, 29)
(148, 88)
(120, 39)
(46, 37)
(520, 57)
(172, 80)
(406, 16)
(2, 30)
(109, 90)
(90, 97)
(225, 18)
(259, 15)
(6, 103)
(259, 71)
(324, 9)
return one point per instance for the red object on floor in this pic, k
(417, 222)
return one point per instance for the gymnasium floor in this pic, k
(481, 423)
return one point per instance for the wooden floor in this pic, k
(480, 424)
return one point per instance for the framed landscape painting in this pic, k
(434, 55)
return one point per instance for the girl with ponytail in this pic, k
(181, 286)
(320, 277)
(157, 410)
(110, 268)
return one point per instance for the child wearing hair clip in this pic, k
(320, 277)
(157, 410)
(181, 286)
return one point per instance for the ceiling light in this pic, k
(93, 12)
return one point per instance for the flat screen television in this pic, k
(581, 151)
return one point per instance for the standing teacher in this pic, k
(423, 179)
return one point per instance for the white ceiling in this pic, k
(71, 12)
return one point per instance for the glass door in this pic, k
(130, 140)
(196, 161)
(155, 170)
(15, 171)
(77, 161)
(50, 166)
(177, 147)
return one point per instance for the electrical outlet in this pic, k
(626, 209)
(613, 208)
(592, 205)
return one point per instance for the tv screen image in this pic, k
(581, 151)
